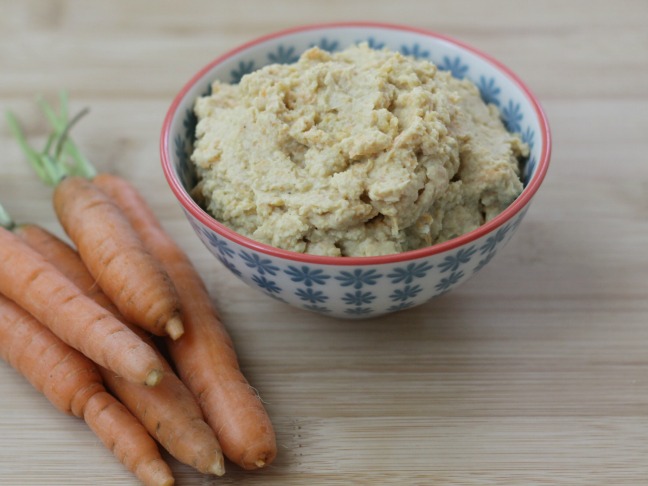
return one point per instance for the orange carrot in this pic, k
(71, 382)
(108, 245)
(34, 284)
(168, 411)
(116, 258)
(204, 356)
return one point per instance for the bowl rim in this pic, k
(196, 211)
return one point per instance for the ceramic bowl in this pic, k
(353, 287)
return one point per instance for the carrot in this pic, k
(168, 411)
(108, 245)
(114, 255)
(37, 286)
(71, 382)
(204, 357)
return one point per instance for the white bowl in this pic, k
(352, 287)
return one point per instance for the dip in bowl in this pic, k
(351, 286)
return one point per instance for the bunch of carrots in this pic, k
(79, 323)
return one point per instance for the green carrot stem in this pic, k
(81, 165)
(5, 220)
(34, 158)
(56, 171)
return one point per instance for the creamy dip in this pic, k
(357, 153)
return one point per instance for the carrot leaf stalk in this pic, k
(80, 165)
(5, 220)
(39, 162)
(49, 163)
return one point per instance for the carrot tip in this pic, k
(153, 378)
(218, 468)
(174, 327)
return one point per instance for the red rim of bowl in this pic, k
(192, 207)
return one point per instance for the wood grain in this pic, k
(535, 372)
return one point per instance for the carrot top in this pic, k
(59, 157)
(5, 219)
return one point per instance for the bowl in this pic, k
(358, 287)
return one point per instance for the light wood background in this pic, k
(535, 372)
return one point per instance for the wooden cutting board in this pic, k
(534, 372)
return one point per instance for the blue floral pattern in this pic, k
(409, 292)
(400, 306)
(410, 272)
(358, 278)
(307, 275)
(220, 244)
(263, 283)
(312, 296)
(262, 265)
(447, 282)
(455, 65)
(327, 44)
(229, 265)
(415, 50)
(372, 43)
(244, 67)
(283, 55)
(489, 90)
(358, 298)
(494, 240)
(357, 291)
(512, 116)
(359, 311)
(453, 262)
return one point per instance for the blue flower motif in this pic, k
(307, 275)
(317, 308)
(528, 137)
(229, 265)
(409, 292)
(312, 296)
(179, 144)
(358, 278)
(189, 124)
(489, 90)
(492, 241)
(358, 311)
(483, 262)
(185, 169)
(400, 306)
(455, 66)
(195, 226)
(208, 90)
(373, 43)
(276, 297)
(414, 50)
(283, 55)
(326, 44)
(243, 69)
(529, 169)
(512, 116)
(447, 282)
(409, 273)
(220, 245)
(453, 262)
(269, 286)
(262, 265)
(358, 298)
(518, 220)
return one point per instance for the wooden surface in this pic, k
(533, 372)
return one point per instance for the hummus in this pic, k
(358, 153)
